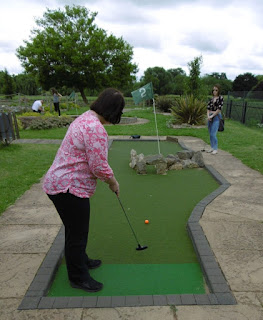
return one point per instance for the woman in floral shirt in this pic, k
(214, 108)
(71, 181)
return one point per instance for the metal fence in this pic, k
(246, 107)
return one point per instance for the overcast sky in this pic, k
(165, 33)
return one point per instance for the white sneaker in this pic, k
(210, 150)
(214, 152)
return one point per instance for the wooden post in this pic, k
(10, 125)
(16, 125)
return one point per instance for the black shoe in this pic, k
(93, 264)
(90, 285)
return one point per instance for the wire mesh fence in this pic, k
(246, 107)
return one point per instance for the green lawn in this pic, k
(22, 165)
(25, 164)
(242, 142)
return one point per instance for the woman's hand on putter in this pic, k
(114, 185)
(115, 188)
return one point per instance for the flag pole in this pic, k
(158, 140)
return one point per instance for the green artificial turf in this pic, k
(167, 202)
(137, 279)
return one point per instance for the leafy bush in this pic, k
(29, 114)
(69, 105)
(36, 114)
(164, 103)
(189, 110)
(50, 122)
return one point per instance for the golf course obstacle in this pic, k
(181, 160)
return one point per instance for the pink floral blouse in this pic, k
(81, 159)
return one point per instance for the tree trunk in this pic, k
(81, 90)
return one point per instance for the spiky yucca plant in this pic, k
(189, 110)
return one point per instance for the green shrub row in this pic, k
(50, 122)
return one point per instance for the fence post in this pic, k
(16, 125)
(243, 120)
(230, 109)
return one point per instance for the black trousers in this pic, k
(56, 105)
(75, 215)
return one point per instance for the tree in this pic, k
(209, 80)
(26, 84)
(244, 82)
(194, 82)
(217, 75)
(179, 80)
(68, 49)
(177, 71)
(8, 85)
(160, 78)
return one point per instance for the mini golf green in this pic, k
(169, 265)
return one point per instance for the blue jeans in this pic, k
(213, 128)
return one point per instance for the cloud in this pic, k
(7, 46)
(205, 42)
(123, 13)
(142, 38)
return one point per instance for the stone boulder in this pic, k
(181, 160)
(133, 154)
(198, 158)
(176, 166)
(172, 159)
(188, 163)
(155, 159)
(141, 164)
(185, 154)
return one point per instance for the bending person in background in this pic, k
(38, 106)
(71, 180)
(214, 108)
(56, 97)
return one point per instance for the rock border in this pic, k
(220, 293)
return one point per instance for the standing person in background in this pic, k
(56, 97)
(38, 106)
(71, 180)
(214, 108)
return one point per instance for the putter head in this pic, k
(139, 248)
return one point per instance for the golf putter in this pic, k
(139, 248)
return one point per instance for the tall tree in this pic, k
(177, 71)
(160, 78)
(194, 82)
(26, 84)
(209, 80)
(68, 49)
(8, 85)
(244, 82)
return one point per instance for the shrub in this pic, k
(50, 122)
(164, 103)
(189, 110)
(29, 114)
(69, 105)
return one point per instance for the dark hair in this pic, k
(54, 90)
(109, 105)
(218, 87)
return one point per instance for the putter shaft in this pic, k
(139, 246)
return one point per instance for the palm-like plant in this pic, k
(189, 110)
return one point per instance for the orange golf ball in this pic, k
(146, 221)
